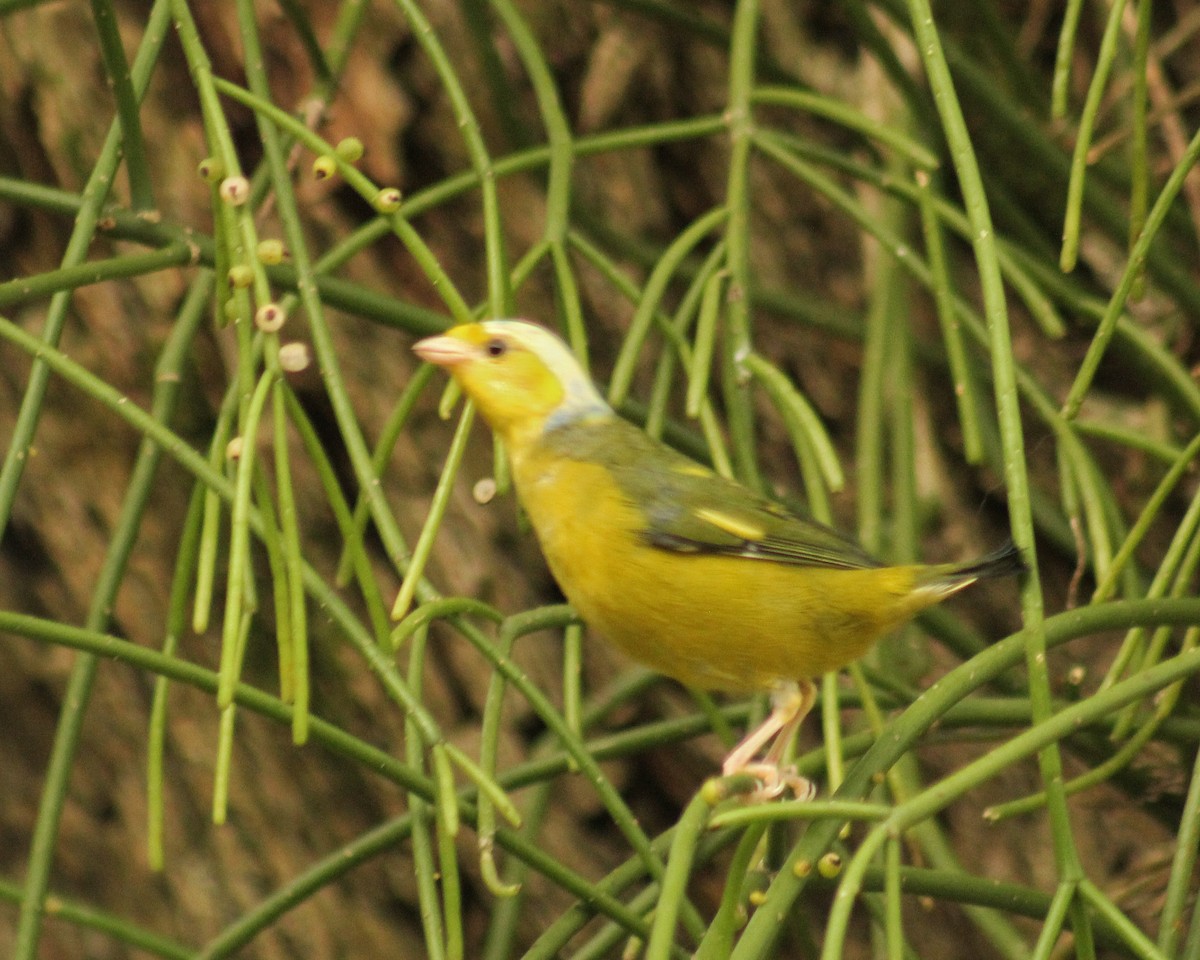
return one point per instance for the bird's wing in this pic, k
(712, 515)
(689, 509)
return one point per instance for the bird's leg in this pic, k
(790, 704)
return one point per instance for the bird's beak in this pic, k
(443, 351)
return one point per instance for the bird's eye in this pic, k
(496, 348)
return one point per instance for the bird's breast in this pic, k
(717, 622)
(577, 512)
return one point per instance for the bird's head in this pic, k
(521, 376)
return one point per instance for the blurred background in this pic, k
(785, 163)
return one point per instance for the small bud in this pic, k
(387, 200)
(324, 167)
(1074, 686)
(830, 865)
(484, 490)
(269, 317)
(234, 190)
(350, 149)
(233, 449)
(241, 276)
(211, 169)
(713, 790)
(294, 357)
(270, 252)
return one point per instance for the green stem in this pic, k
(1008, 411)
(133, 144)
(1083, 136)
(738, 343)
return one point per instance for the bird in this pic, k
(686, 571)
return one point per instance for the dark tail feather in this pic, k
(1003, 562)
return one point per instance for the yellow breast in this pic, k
(715, 622)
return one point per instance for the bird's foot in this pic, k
(790, 703)
(774, 780)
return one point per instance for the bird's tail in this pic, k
(1005, 561)
(950, 578)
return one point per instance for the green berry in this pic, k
(387, 200)
(350, 149)
(324, 167)
(211, 169)
(241, 276)
(270, 252)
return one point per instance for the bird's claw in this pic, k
(774, 780)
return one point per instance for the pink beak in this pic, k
(442, 351)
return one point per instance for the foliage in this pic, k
(952, 250)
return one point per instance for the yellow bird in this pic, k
(685, 571)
